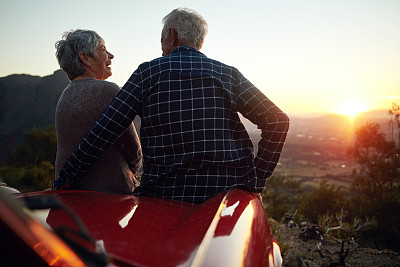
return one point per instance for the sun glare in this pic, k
(352, 107)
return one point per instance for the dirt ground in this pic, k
(306, 245)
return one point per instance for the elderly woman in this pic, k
(82, 54)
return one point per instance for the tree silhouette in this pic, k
(323, 200)
(30, 167)
(377, 159)
(395, 116)
(281, 195)
(376, 184)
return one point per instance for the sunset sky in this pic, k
(307, 56)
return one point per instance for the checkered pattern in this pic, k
(194, 144)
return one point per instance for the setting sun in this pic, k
(352, 107)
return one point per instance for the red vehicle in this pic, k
(83, 228)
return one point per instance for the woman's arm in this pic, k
(132, 149)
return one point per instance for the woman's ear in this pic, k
(85, 59)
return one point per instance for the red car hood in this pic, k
(230, 229)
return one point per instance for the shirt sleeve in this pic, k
(110, 125)
(272, 121)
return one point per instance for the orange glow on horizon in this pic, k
(352, 107)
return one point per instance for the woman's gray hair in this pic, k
(73, 43)
(190, 26)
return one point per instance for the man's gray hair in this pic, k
(73, 43)
(190, 26)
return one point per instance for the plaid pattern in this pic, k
(194, 144)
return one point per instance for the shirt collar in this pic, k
(184, 48)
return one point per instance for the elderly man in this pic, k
(194, 144)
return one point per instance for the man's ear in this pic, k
(174, 36)
(85, 59)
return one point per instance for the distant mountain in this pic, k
(321, 125)
(325, 126)
(27, 101)
(339, 126)
(380, 116)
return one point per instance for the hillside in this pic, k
(307, 245)
(27, 101)
(316, 146)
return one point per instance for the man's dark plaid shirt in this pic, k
(194, 144)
